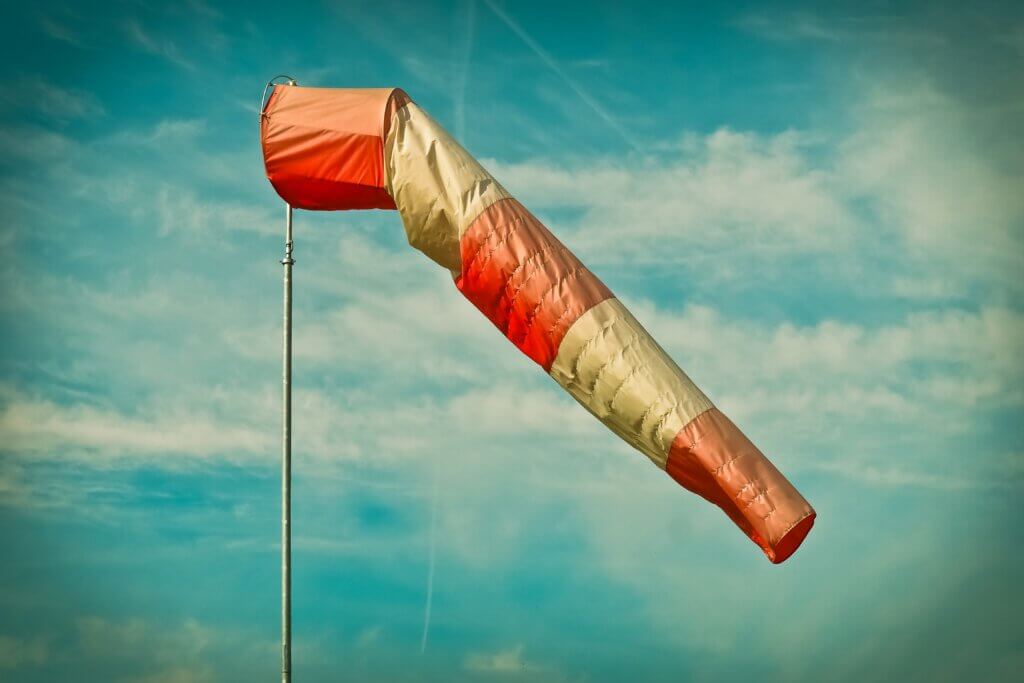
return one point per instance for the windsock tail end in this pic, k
(713, 458)
(791, 541)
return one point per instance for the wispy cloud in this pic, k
(52, 101)
(503, 661)
(44, 428)
(707, 196)
(734, 204)
(161, 654)
(161, 47)
(180, 210)
(59, 30)
(203, 9)
(99, 636)
(16, 653)
(834, 28)
(163, 132)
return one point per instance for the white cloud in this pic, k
(178, 209)
(16, 653)
(100, 637)
(983, 343)
(914, 157)
(163, 653)
(923, 380)
(165, 132)
(175, 675)
(932, 370)
(902, 203)
(726, 192)
(502, 661)
(42, 428)
(368, 637)
(40, 146)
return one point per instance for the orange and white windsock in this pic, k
(331, 149)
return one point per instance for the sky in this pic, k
(816, 211)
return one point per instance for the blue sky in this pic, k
(817, 212)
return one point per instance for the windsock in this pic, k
(337, 149)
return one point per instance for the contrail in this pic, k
(430, 565)
(463, 75)
(553, 65)
(460, 133)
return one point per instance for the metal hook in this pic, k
(269, 85)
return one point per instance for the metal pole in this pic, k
(286, 461)
(286, 429)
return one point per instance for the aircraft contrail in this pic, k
(553, 65)
(430, 565)
(463, 76)
(460, 131)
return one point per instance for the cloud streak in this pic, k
(160, 47)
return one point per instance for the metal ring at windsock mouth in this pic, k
(271, 83)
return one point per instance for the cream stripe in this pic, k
(438, 187)
(612, 366)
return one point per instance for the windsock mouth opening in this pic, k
(788, 544)
(323, 148)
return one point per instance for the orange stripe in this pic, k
(713, 458)
(323, 148)
(524, 280)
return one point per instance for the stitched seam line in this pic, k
(791, 526)
(483, 243)
(589, 345)
(660, 424)
(753, 500)
(519, 289)
(625, 381)
(531, 318)
(618, 356)
(550, 334)
(511, 225)
(655, 403)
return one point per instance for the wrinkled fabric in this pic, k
(524, 280)
(615, 369)
(438, 187)
(319, 148)
(323, 148)
(713, 458)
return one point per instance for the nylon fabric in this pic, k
(713, 458)
(524, 280)
(438, 187)
(615, 369)
(323, 148)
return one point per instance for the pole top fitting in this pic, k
(289, 247)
